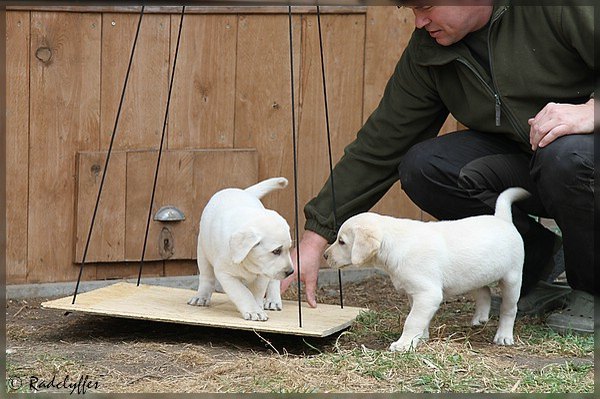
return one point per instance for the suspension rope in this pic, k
(333, 203)
(295, 151)
(162, 139)
(112, 139)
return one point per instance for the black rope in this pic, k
(162, 139)
(295, 164)
(112, 139)
(329, 145)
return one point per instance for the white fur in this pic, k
(246, 248)
(431, 260)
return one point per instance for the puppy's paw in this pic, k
(256, 316)
(501, 339)
(199, 301)
(406, 346)
(273, 304)
(479, 320)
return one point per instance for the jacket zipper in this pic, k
(492, 90)
(496, 92)
(498, 103)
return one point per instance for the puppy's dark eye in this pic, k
(341, 242)
(276, 251)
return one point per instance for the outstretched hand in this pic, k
(311, 247)
(556, 120)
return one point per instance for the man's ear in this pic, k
(365, 244)
(241, 242)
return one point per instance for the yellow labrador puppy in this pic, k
(246, 247)
(431, 260)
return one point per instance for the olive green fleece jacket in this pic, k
(538, 54)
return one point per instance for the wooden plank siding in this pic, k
(263, 99)
(343, 54)
(107, 242)
(186, 180)
(394, 28)
(229, 122)
(334, 9)
(142, 115)
(203, 97)
(17, 144)
(64, 119)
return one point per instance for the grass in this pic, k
(453, 364)
(125, 357)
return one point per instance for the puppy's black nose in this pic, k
(289, 272)
(325, 256)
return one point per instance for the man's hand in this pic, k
(311, 247)
(555, 120)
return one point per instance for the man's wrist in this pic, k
(314, 240)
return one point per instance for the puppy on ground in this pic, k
(246, 247)
(432, 260)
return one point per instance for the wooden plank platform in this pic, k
(165, 304)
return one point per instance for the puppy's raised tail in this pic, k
(264, 187)
(505, 201)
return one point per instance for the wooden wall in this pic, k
(229, 124)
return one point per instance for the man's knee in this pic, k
(565, 164)
(415, 166)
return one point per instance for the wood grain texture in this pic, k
(107, 242)
(17, 144)
(215, 170)
(187, 179)
(141, 120)
(120, 270)
(174, 187)
(232, 91)
(263, 99)
(203, 98)
(65, 105)
(388, 32)
(166, 304)
(140, 175)
(343, 54)
(341, 9)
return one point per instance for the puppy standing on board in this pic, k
(431, 260)
(246, 247)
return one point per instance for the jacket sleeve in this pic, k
(577, 25)
(410, 111)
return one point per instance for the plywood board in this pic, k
(166, 304)
(17, 144)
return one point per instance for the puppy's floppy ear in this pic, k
(365, 244)
(241, 242)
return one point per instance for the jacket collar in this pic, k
(429, 53)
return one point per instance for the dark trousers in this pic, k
(461, 174)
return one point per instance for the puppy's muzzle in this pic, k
(289, 272)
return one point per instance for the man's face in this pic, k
(449, 24)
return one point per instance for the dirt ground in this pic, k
(123, 355)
